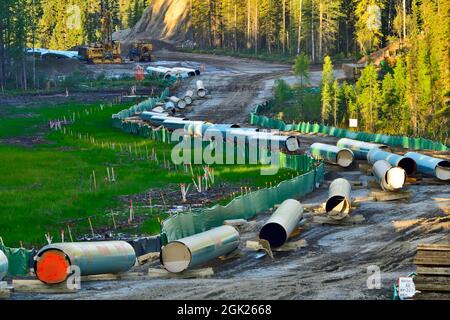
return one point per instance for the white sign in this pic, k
(406, 287)
(353, 123)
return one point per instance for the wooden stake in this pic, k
(70, 233)
(164, 201)
(92, 229)
(114, 220)
(95, 181)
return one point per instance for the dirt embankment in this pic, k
(166, 20)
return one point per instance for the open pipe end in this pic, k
(443, 170)
(181, 104)
(201, 93)
(395, 178)
(344, 158)
(188, 100)
(274, 233)
(51, 266)
(176, 257)
(407, 164)
(292, 144)
(337, 207)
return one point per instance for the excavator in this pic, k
(107, 51)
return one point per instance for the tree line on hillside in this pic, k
(410, 98)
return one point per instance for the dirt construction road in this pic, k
(337, 261)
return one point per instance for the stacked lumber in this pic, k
(433, 272)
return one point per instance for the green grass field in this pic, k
(46, 186)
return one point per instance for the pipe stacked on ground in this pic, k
(189, 72)
(195, 250)
(332, 154)
(160, 72)
(360, 149)
(282, 223)
(339, 200)
(178, 103)
(390, 178)
(201, 91)
(263, 139)
(435, 167)
(406, 163)
(52, 262)
(188, 97)
(197, 129)
(174, 124)
(159, 120)
(3, 265)
(148, 115)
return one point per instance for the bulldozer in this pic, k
(105, 52)
(141, 52)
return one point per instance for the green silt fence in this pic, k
(18, 260)
(306, 127)
(243, 207)
(246, 206)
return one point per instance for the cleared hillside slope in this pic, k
(166, 20)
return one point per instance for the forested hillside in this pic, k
(413, 95)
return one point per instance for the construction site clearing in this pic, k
(399, 229)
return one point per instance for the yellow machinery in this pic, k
(141, 52)
(107, 51)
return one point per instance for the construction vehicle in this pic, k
(141, 52)
(105, 52)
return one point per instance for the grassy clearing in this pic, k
(48, 186)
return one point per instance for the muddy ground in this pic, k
(334, 264)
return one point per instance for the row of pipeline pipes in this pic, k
(174, 103)
(230, 132)
(389, 169)
(53, 262)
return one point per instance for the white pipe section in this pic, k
(189, 72)
(390, 178)
(332, 154)
(359, 148)
(439, 168)
(179, 103)
(282, 223)
(201, 91)
(339, 201)
(188, 97)
(184, 253)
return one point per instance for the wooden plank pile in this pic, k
(433, 272)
